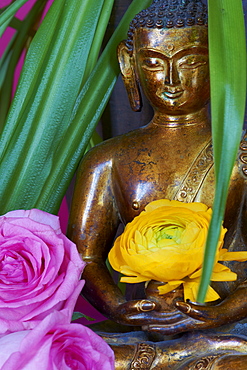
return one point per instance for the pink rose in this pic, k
(40, 269)
(52, 345)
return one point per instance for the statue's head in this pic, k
(167, 54)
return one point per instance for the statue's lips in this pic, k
(172, 94)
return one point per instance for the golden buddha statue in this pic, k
(167, 55)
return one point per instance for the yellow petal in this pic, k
(220, 273)
(219, 267)
(132, 248)
(223, 273)
(191, 232)
(115, 256)
(149, 235)
(138, 237)
(132, 279)
(224, 276)
(190, 291)
(126, 270)
(157, 204)
(163, 289)
(140, 248)
(132, 276)
(233, 256)
(145, 255)
(164, 243)
(212, 295)
(195, 207)
(196, 274)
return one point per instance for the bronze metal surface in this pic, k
(170, 158)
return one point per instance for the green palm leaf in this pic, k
(227, 55)
(9, 13)
(50, 122)
(48, 88)
(11, 57)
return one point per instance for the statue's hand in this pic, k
(196, 316)
(192, 317)
(141, 312)
(212, 315)
(155, 312)
(135, 312)
(171, 315)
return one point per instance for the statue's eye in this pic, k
(152, 64)
(190, 62)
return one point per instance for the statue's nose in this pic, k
(172, 77)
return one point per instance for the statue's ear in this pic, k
(129, 76)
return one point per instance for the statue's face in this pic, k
(172, 67)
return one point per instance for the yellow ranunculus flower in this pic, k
(166, 243)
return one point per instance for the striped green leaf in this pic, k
(51, 121)
(88, 109)
(227, 55)
(9, 13)
(11, 57)
(48, 89)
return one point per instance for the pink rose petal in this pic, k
(40, 269)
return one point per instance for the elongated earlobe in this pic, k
(129, 77)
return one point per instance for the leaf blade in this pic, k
(228, 96)
(56, 67)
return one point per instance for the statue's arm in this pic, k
(199, 316)
(231, 309)
(93, 224)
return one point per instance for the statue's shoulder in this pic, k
(117, 146)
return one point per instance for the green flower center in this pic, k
(168, 232)
(159, 237)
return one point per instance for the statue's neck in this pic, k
(193, 119)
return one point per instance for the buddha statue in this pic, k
(166, 54)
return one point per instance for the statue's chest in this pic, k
(147, 176)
